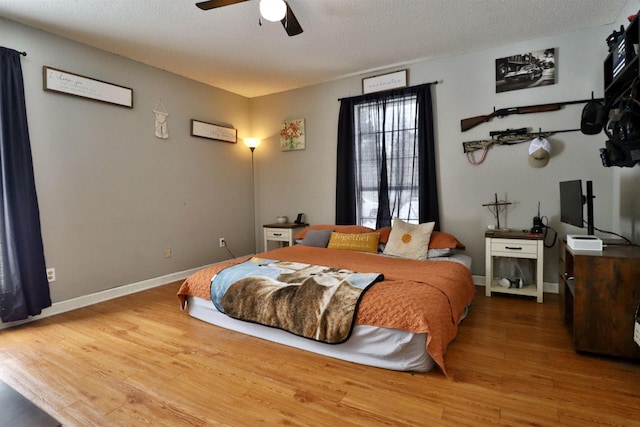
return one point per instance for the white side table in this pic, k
(281, 233)
(514, 244)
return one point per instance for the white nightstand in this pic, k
(281, 233)
(514, 244)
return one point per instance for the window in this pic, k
(386, 165)
(386, 160)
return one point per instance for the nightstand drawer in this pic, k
(278, 234)
(514, 247)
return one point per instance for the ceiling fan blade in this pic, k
(212, 4)
(290, 22)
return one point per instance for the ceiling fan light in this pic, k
(273, 10)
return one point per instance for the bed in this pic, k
(403, 322)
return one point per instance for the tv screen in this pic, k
(571, 201)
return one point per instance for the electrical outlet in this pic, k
(223, 242)
(167, 252)
(51, 274)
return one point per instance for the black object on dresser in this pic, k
(598, 296)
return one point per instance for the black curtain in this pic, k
(346, 185)
(24, 290)
(429, 209)
(346, 168)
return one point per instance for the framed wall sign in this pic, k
(211, 131)
(384, 82)
(67, 83)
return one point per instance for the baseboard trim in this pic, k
(106, 295)
(548, 287)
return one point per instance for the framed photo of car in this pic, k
(526, 70)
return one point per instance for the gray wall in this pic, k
(304, 181)
(113, 196)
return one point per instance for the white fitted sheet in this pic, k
(387, 348)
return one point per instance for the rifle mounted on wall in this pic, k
(501, 137)
(471, 122)
(505, 137)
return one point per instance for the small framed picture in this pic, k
(211, 131)
(292, 135)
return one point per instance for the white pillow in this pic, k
(409, 240)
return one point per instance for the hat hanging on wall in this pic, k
(539, 152)
(593, 118)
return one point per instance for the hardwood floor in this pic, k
(139, 360)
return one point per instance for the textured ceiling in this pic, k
(227, 48)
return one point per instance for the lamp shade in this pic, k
(273, 10)
(252, 143)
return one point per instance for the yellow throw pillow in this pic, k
(409, 240)
(361, 242)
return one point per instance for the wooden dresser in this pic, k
(599, 293)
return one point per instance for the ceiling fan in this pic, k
(271, 10)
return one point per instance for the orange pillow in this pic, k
(384, 234)
(361, 242)
(442, 240)
(350, 229)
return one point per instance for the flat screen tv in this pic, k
(572, 203)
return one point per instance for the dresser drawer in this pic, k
(514, 247)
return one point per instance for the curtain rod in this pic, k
(17, 51)
(435, 82)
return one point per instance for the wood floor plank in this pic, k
(81, 413)
(139, 360)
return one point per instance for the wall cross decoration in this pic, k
(497, 207)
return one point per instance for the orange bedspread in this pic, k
(417, 296)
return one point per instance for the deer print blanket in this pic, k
(312, 301)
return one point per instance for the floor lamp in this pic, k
(252, 143)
